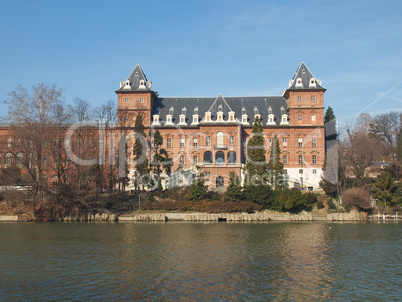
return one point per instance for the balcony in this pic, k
(220, 147)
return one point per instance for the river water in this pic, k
(179, 261)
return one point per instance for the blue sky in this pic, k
(203, 48)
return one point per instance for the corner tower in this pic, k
(135, 96)
(305, 98)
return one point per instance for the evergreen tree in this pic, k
(256, 167)
(399, 146)
(139, 149)
(198, 190)
(275, 165)
(384, 188)
(161, 161)
(234, 190)
(329, 115)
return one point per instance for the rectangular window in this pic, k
(314, 171)
(195, 119)
(182, 120)
(244, 142)
(285, 141)
(285, 171)
(126, 100)
(300, 117)
(182, 160)
(300, 141)
(285, 159)
(208, 141)
(313, 118)
(182, 142)
(141, 100)
(195, 142)
(301, 159)
(207, 174)
(195, 160)
(314, 159)
(244, 119)
(231, 140)
(314, 142)
(270, 141)
(169, 142)
(299, 98)
(9, 142)
(301, 171)
(313, 98)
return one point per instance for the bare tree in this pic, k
(30, 115)
(386, 127)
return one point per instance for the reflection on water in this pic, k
(196, 261)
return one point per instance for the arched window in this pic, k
(208, 157)
(231, 157)
(219, 158)
(219, 138)
(19, 159)
(8, 159)
(219, 182)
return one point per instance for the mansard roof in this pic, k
(304, 74)
(226, 104)
(134, 82)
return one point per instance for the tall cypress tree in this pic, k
(256, 166)
(275, 165)
(161, 161)
(399, 146)
(139, 149)
(329, 115)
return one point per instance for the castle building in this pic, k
(212, 132)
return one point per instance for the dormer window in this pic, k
(195, 119)
(231, 116)
(208, 116)
(244, 119)
(182, 119)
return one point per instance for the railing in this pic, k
(220, 147)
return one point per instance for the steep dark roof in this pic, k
(134, 80)
(262, 103)
(305, 75)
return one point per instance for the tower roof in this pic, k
(304, 79)
(137, 81)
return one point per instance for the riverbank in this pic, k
(316, 215)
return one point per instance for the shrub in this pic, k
(320, 204)
(261, 195)
(163, 205)
(331, 205)
(357, 198)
